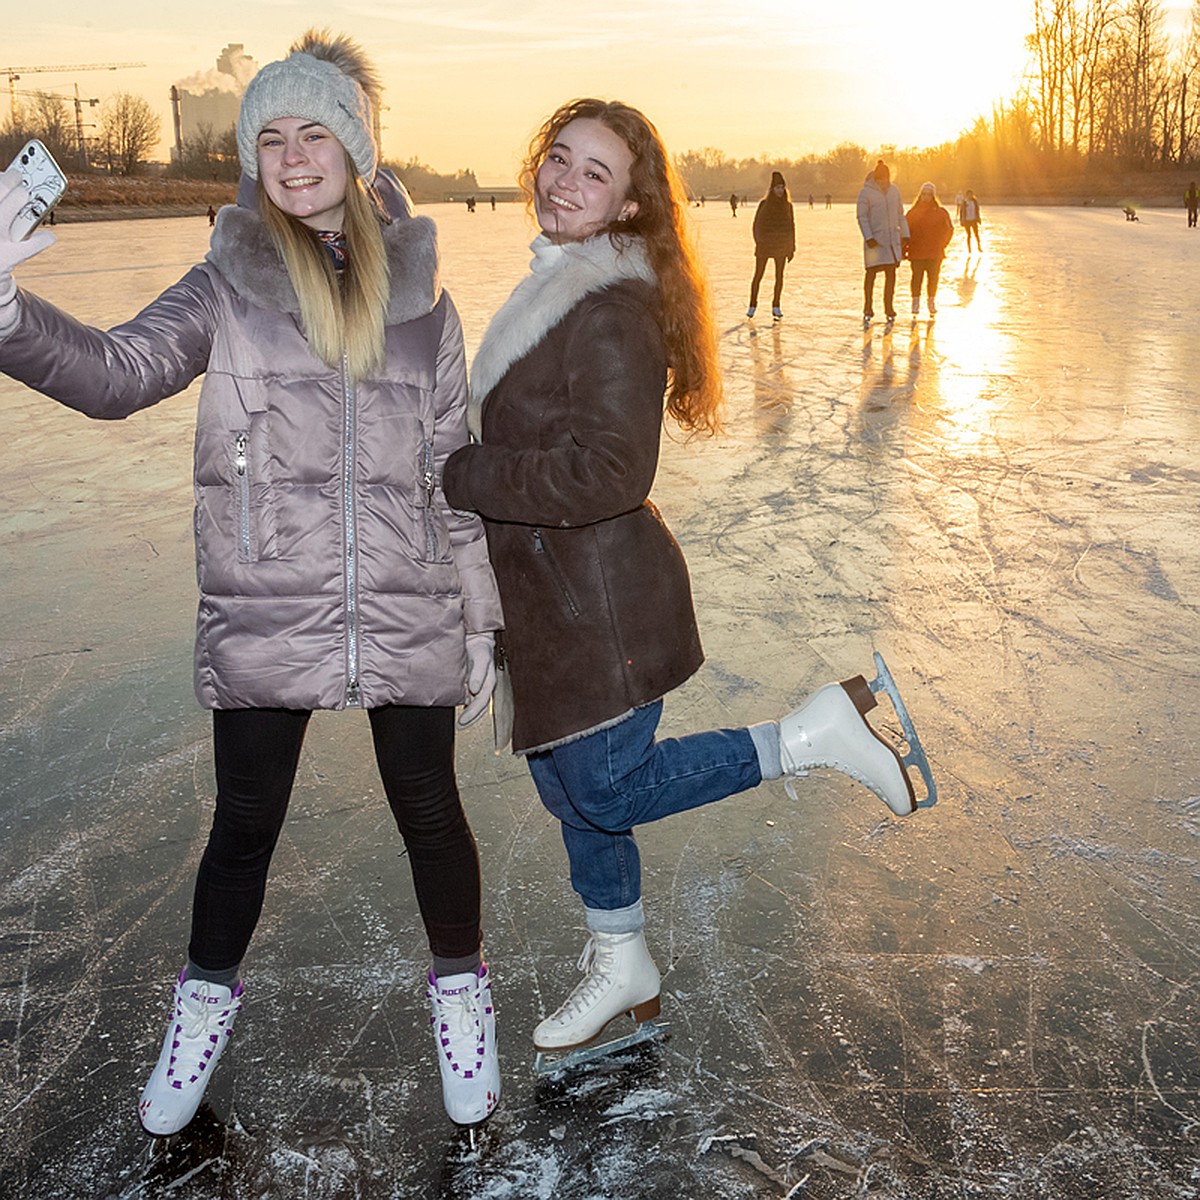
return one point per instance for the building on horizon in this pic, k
(207, 103)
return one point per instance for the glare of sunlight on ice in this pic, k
(975, 343)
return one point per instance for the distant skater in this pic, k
(212, 216)
(828, 200)
(774, 240)
(810, 199)
(930, 230)
(733, 202)
(880, 213)
(1191, 200)
(972, 216)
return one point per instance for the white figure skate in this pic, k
(620, 979)
(463, 1020)
(201, 1023)
(830, 730)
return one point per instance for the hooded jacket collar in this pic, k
(243, 252)
(561, 275)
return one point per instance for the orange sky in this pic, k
(467, 82)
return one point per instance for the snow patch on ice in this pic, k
(968, 962)
(643, 1105)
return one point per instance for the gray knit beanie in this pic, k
(323, 79)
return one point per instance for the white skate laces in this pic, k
(464, 1028)
(619, 977)
(597, 966)
(197, 1034)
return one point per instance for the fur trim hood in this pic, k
(561, 275)
(246, 257)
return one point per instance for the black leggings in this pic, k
(257, 751)
(760, 266)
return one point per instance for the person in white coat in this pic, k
(885, 238)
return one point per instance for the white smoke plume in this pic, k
(235, 68)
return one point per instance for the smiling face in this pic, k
(583, 183)
(303, 168)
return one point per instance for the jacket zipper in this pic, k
(349, 517)
(241, 440)
(427, 485)
(559, 578)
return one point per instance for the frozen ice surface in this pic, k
(994, 998)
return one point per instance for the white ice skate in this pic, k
(619, 978)
(199, 1029)
(830, 730)
(464, 1028)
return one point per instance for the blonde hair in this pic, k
(694, 395)
(343, 319)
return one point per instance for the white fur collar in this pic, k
(561, 275)
(244, 254)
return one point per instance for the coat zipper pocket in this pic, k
(555, 570)
(428, 483)
(242, 471)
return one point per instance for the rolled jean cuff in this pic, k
(765, 736)
(616, 920)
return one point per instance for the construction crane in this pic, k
(15, 73)
(80, 141)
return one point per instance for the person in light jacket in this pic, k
(880, 213)
(930, 230)
(972, 217)
(567, 410)
(774, 240)
(332, 572)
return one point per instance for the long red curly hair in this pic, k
(694, 394)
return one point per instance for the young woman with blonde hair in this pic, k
(567, 409)
(332, 572)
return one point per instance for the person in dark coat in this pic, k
(566, 411)
(774, 241)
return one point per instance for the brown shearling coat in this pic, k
(596, 597)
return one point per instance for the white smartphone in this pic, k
(46, 183)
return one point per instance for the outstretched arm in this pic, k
(105, 375)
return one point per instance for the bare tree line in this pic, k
(128, 130)
(1107, 82)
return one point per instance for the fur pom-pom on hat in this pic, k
(325, 79)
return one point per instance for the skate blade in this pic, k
(551, 1062)
(916, 757)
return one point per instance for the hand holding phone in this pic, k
(15, 199)
(45, 183)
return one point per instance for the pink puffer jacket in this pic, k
(332, 571)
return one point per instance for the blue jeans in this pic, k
(604, 784)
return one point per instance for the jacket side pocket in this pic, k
(254, 490)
